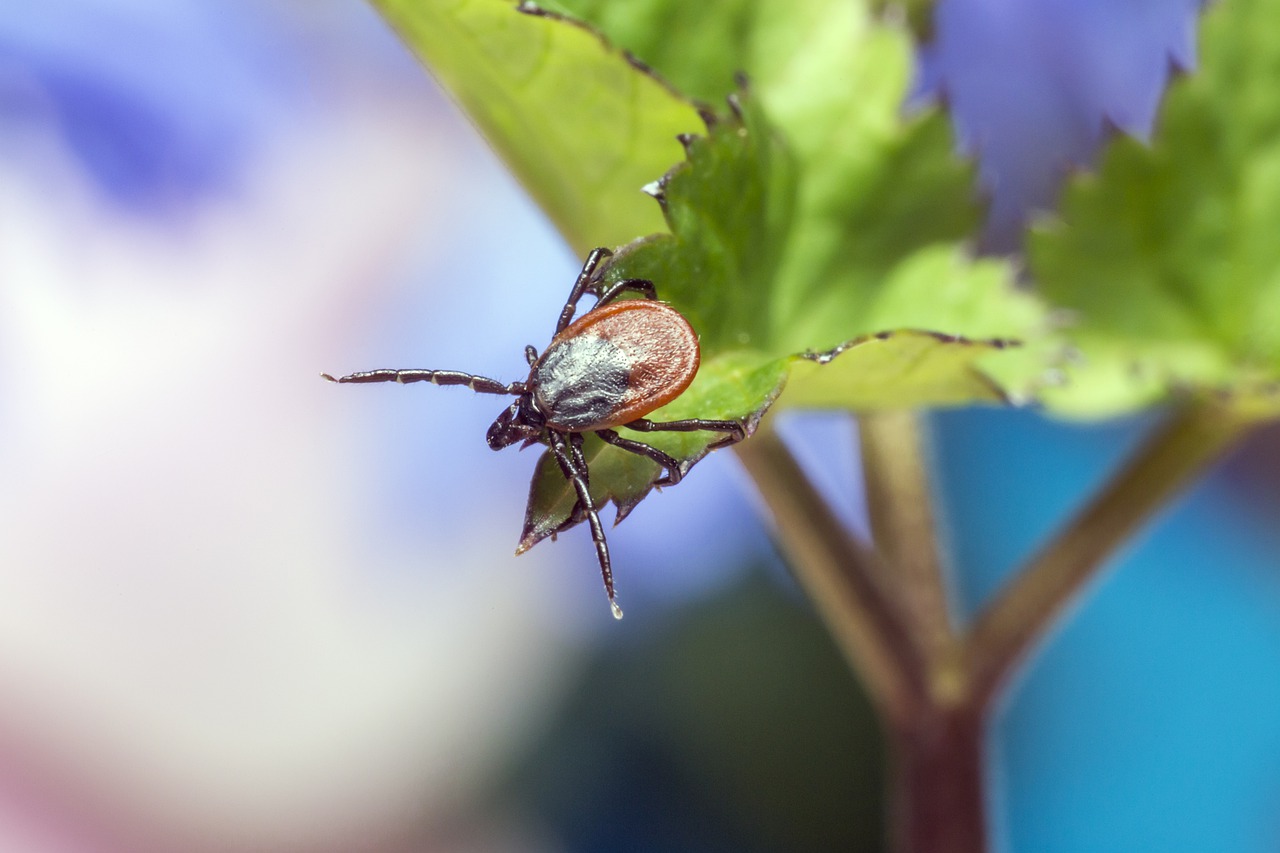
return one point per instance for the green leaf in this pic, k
(761, 269)
(581, 126)
(624, 478)
(1168, 257)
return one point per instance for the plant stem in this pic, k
(1011, 625)
(937, 794)
(937, 781)
(837, 575)
(900, 505)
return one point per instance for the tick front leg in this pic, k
(581, 286)
(565, 458)
(479, 384)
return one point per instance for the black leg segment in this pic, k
(565, 457)
(479, 384)
(580, 461)
(734, 430)
(581, 286)
(674, 472)
(633, 285)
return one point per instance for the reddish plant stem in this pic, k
(937, 801)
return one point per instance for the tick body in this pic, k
(615, 364)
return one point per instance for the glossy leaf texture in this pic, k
(1168, 257)
(581, 127)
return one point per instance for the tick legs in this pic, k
(674, 472)
(734, 430)
(480, 384)
(586, 284)
(581, 286)
(638, 285)
(575, 448)
(567, 457)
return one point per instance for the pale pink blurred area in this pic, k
(210, 638)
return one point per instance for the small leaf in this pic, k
(731, 387)
(582, 127)
(624, 478)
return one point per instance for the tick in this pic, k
(619, 361)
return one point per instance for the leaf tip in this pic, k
(686, 141)
(625, 505)
(708, 116)
(735, 105)
(655, 190)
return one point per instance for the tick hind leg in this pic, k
(734, 432)
(567, 458)
(674, 472)
(479, 384)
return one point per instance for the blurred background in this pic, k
(244, 610)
